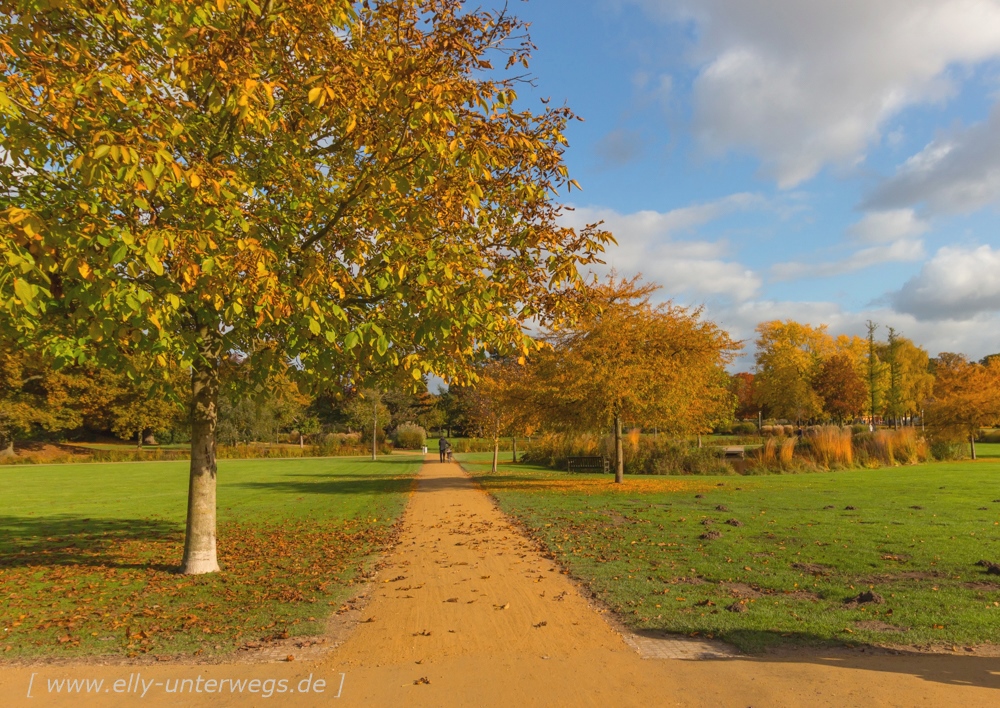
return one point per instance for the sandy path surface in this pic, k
(466, 612)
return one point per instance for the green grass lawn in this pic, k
(89, 552)
(799, 548)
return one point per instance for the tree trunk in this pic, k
(9, 450)
(619, 453)
(374, 428)
(199, 542)
(496, 454)
(138, 440)
(302, 442)
(513, 442)
(972, 444)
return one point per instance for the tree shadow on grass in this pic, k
(69, 540)
(364, 485)
(770, 647)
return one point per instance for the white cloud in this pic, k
(893, 234)
(807, 84)
(887, 226)
(647, 243)
(958, 172)
(956, 284)
(901, 251)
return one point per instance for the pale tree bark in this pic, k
(972, 444)
(374, 427)
(199, 543)
(8, 451)
(619, 453)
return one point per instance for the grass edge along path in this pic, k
(764, 562)
(88, 554)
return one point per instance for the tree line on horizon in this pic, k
(629, 364)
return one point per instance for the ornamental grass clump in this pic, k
(409, 436)
(830, 446)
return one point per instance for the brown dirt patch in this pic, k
(814, 568)
(896, 577)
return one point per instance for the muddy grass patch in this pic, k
(879, 626)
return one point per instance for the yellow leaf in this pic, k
(352, 122)
(148, 179)
(194, 180)
(314, 93)
(84, 269)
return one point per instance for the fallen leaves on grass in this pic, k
(632, 485)
(74, 589)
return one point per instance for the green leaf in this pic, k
(119, 254)
(155, 245)
(382, 346)
(314, 326)
(25, 291)
(351, 341)
(148, 179)
(101, 151)
(154, 264)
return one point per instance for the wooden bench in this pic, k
(734, 452)
(588, 464)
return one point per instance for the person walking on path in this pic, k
(443, 446)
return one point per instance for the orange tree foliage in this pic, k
(500, 404)
(346, 187)
(628, 360)
(788, 358)
(741, 386)
(966, 398)
(840, 387)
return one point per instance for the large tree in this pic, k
(35, 397)
(629, 360)
(333, 187)
(500, 404)
(840, 387)
(788, 358)
(966, 398)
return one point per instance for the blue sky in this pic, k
(772, 159)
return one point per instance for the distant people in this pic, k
(444, 449)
